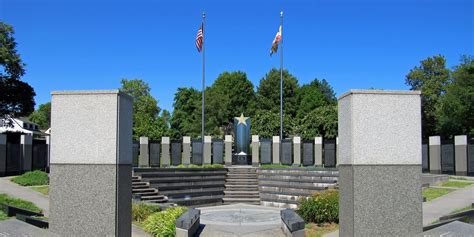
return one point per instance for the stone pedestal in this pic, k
(435, 154)
(276, 150)
(318, 151)
(228, 150)
(255, 150)
(3, 155)
(297, 151)
(207, 150)
(380, 163)
(460, 152)
(165, 151)
(186, 150)
(144, 158)
(91, 157)
(26, 152)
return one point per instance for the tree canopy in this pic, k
(42, 116)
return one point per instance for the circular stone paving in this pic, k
(240, 215)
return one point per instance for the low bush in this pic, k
(32, 178)
(322, 207)
(140, 211)
(163, 223)
(5, 199)
(3, 216)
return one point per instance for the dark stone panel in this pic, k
(329, 154)
(470, 159)
(13, 159)
(424, 155)
(40, 156)
(155, 154)
(135, 152)
(265, 151)
(197, 152)
(292, 220)
(3, 159)
(447, 158)
(176, 152)
(308, 153)
(286, 152)
(124, 205)
(218, 151)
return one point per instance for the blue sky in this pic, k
(69, 45)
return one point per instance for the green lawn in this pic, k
(16, 202)
(315, 230)
(32, 178)
(455, 184)
(44, 189)
(433, 193)
(469, 207)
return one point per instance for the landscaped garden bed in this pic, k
(32, 178)
(320, 212)
(154, 220)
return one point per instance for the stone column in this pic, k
(91, 163)
(380, 163)
(318, 151)
(276, 150)
(460, 159)
(207, 153)
(3, 154)
(165, 151)
(255, 150)
(435, 154)
(186, 150)
(26, 152)
(228, 150)
(297, 151)
(144, 158)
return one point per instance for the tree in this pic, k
(186, 118)
(321, 121)
(432, 78)
(16, 97)
(267, 124)
(146, 120)
(456, 110)
(314, 95)
(268, 93)
(42, 116)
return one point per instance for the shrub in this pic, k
(32, 178)
(164, 223)
(140, 211)
(5, 199)
(320, 208)
(3, 216)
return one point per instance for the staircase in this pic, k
(241, 186)
(142, 190)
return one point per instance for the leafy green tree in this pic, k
(456, 110)
(431, 78)
(321, 121)
(146, 120)
(267, 124)
(42, 116)
(268, 93)
(186, 118)
(16, 97)
(314, 95)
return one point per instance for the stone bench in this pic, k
(291, 223)
(188, 224)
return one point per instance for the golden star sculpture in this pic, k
(242, 119)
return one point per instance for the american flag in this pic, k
(200, 38)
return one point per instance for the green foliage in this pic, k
(267, 124)
(3, 216)
(205, 166)
(456, 184)
(268, 93)
(186, 119)
(141, 211)
(42, 116)
(163, 223)
(44, 189)
(314, 95)
(32, 178)
(322, 121)
(320, 208)
(433, 193)
(16, 202)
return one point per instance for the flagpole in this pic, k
(203, 78)
(281, 76)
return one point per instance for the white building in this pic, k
(20, 125)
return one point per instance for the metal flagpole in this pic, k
(203, 79)
(281, 76)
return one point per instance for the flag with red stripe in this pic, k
(275, 42)
(200, 38)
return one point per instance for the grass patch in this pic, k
(41, 189)
(455, 184)
(315, 230)
(469, 207)
(3, 216)
(433, 193)
(458, 178)
(16, 202)
(32, 178)
(141, 211)
(205, 166)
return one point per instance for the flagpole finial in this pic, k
(203, 15)
(281, 13)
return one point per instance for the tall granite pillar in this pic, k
(144, 158)
(460, 152)
(435, 154)
(165, 151)
(297, 151)
(276, 150)
(186, 150)
(255, 150)
(318, 151)
(380, 163)
(228, 150)
(91, 163)
(207, 153)
(26, 152)
(3, 154)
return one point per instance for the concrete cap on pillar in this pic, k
(435, 140)
(318, 140)
(255, 138)
(186, 139)
(276, 139)
(228, 138)
(297, 140)
(460, 140)
(143, 140)
(26, 139)
(3, 139)
(207, 139)
(165, 140)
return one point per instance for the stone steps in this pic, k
(144, 192)
(241, 186)
(197, 201)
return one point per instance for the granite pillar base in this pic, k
(85, 195)
(380, 200)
